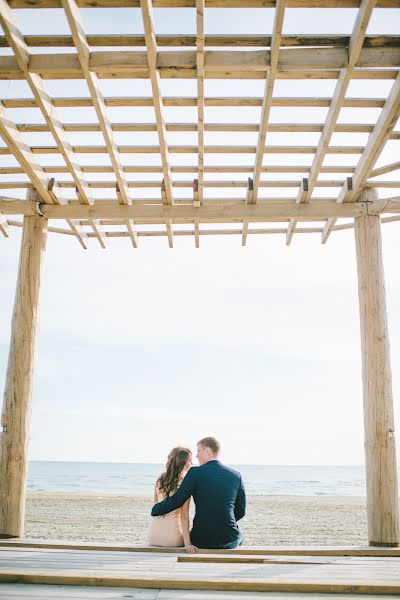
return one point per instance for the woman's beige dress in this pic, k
(165, 530)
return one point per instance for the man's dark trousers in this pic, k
(220, 500)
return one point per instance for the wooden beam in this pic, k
(193, 150)
(380, 445)
(220, 184)
(376, 142)
(44, 102)
(386, 169)
(216, 127)
(130, 223)
(23, 155)
(168, 221)
(15, 419)
(47, 190)
(249, 200)
(200, 95)
(232, 64)
(300, 199)
(4, 228)
(268, 93)
(215, 211)
(355, 46)
(186, 169)
(187, 101)
(239, 41)
(196, 203)
(150, 37)
(83, 50)
(249, 4)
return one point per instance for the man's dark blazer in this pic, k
(220, 500)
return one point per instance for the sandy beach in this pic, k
(270, 520)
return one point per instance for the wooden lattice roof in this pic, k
(201, 188)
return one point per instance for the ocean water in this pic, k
(140, 478)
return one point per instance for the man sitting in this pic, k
(219, 496)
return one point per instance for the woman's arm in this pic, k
(185, 528)
(155, 497)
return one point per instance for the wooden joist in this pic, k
(268, 92)
(46, 189)
(214, 127)
(66, 41)
(44, 102)
(272, 184)
(297, 63)
(355, 46)
(200, 97)
(126, 101)
(198, 56)
(191, 150)
(151, 62)
(186, 169)
(376, 142)
(276, 210)
(210, 3)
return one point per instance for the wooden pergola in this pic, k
(65, 193)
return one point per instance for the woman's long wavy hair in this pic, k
(168, 481)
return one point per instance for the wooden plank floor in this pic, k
(44, 572)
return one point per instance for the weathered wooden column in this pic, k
(15, 420)
(380, 449)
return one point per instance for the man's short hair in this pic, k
(212, 443)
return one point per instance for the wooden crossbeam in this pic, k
(150, 37)
(4, 228)
(231, 64)
(333, 183)
(196, 203)
(214, 127)
(186, 169)
(168, 222)
(249, 200)
(354, 49)
(300, 199)
(130, 223)
(83, 50)
(210, 3)
(47, 190)
(126, 101)
(200, 96)
(215, 211)
(376, 142)
(268, 92)
(44, 102)
(386, 169)
(192, 150)
(240, 41)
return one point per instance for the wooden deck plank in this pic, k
(250, 550)
(50, 568)
(36, 592)
(229, 583)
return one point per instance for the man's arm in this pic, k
(240, 502)
(179, 498)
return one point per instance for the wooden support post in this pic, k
(380, 449)
(15, 420)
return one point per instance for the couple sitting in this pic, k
(218, 494)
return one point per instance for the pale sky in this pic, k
(142, 350)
